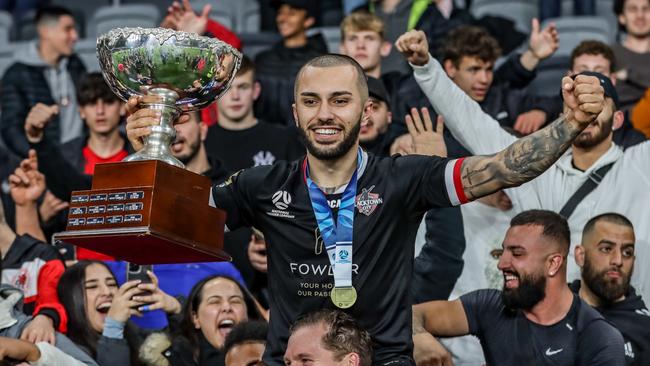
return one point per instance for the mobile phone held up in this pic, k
(138, 272)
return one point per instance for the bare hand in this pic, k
(413, 44)
(257, 254)
(157, 299)
(428, 351)
(498, 200)
(27, 184)
(426, 141)
(40, 329)
(123, 306)
(37, 118)
(183, 18)
(530, 121)
(15, 349)
(545, 42)
(51, 206)
(140, 120)
(584, 98)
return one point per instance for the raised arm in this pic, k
(530, 156)
(471, 126)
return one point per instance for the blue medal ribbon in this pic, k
(337, 237)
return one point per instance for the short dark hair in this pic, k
(469, 41)
(332, 60)
(246, 332)
(51, 13)
(246, 66)
(555, 227)
(610, 217)
(344, 335)
(595, 48)
(93, 87)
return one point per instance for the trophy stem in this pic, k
(157, 144)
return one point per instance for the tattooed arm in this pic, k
(530, 156)
(520, 162)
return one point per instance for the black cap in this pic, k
(309, 5)
(377, 90)
(606, 83)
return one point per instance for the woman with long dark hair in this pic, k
(214, 306)
(98, 311)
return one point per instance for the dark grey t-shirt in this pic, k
(583, 337)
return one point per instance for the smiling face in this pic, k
(100, 287)
(636, 18)
(60, 35)
(222, 306)
(292, 21)
(523, 266)
(608, 260)
(305, 348)
(473, 75)
(328, 110)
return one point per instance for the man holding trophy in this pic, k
(324, 254)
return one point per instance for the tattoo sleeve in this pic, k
(520, 162)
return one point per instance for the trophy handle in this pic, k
(157, 144)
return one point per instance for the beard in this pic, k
(589, 140)
(531, 290)
(607, 290)
(194, 148)
(335, 152)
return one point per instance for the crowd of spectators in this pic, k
(541, 271)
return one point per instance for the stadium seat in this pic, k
(86, 49)
(161, 5)
(248, 19)
(254, 43)
(519, 11)
(604, 8)
(109, 17)
(83, 11)
(332, 36)
(6, 57)
(573, 30)
(6, 22)
(25, 27)
(549, 75)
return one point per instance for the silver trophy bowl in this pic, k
(184, 70)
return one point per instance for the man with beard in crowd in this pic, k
(587, 160)
(536, 319)
(606, 257)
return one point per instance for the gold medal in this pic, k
(343, 297)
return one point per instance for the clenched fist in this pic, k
(413, 44)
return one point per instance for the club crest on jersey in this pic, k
(367, 201)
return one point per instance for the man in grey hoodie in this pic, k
(13, 321)
(40, 85)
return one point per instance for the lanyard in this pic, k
(337, 237)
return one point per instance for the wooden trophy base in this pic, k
(147, 212)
